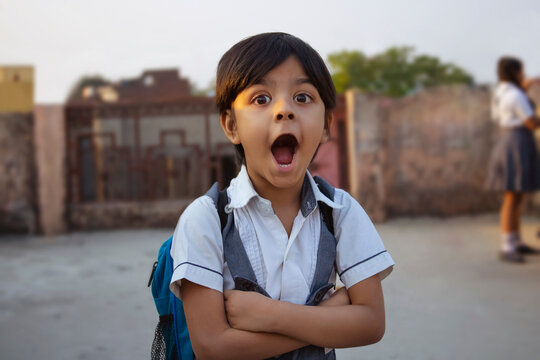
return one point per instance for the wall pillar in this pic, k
(367, 152)
(50, 155)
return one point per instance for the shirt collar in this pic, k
(310, 192)
(241, 191)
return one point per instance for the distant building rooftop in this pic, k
(164, 85)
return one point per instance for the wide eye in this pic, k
(261, 99)
(303, 98)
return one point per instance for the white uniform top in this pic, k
(510, 106)
(284, 265)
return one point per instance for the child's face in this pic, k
(280, 123)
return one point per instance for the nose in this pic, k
(288, 115)
(283, 110)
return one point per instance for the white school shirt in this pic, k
(510, 106)
(284, 265)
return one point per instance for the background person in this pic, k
(514, 167)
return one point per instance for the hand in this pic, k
(248, 310)
(340, 297)
(532, 123)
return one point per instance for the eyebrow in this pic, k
(305, 80)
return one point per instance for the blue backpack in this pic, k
(171, 339)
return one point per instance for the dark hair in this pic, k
(508, 69)
(248, 61)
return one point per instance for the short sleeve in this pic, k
(360, 251)
(197, 248)
(516, 101)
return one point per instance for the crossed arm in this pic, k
(532, 122)
(247, 325)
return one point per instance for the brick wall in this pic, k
(425, 154)
(17, 173)
(128, 214)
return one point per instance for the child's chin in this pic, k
(285, 183)
(289, 176)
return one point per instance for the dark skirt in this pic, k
(514, 164)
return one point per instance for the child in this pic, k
(514, 167)
(275, 97)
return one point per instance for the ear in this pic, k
(327, 126)
(228, 124)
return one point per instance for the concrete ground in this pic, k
(84, 295)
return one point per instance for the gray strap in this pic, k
(233, 249)
(238, 261)
(326, 255)
(309, 352)
(326, 211)
(220, 200)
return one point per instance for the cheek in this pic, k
(316, 125)
(253, 133)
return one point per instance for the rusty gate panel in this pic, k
(111, 159)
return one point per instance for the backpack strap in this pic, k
(326, 211)
(221, 200)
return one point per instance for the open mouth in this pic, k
(284, 148)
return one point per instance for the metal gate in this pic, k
(144, 152)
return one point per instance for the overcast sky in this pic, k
(64, 40)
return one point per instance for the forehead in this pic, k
(290, 70)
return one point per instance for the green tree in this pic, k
(395, 72)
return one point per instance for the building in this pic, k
(16, 89)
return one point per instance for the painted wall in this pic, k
(16, 89)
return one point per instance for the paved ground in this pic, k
(84, 296)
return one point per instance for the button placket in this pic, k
(297, 227)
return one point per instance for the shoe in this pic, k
(511, 256)
(526, 249)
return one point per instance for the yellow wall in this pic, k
(16, 88)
